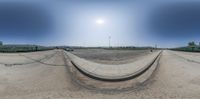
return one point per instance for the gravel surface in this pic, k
(176, 78)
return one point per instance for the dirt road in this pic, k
(176, 78)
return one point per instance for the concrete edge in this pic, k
(121, 78)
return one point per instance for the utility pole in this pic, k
(155, 46)
(109, 41)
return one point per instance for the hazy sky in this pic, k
(127, 22)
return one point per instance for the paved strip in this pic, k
(25, 58)
(189, 56)
(113, 72)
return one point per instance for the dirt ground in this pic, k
(111, 56)
(176, 78)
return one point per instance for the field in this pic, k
(110, 56)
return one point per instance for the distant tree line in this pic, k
(191, 47)
(117, 48)
(1, 43)
(22, 48)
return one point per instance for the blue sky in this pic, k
(73, 22)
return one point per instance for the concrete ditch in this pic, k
(120, 84)
(113, 72)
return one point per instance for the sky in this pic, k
(165, 23)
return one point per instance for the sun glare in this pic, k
(100, 21)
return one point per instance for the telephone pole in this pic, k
(155, 46)
(109, 41)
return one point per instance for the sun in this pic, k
(100, 21)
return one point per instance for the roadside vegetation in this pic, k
(22, 48)
(131, 48)
(118, 48)
(191, 47)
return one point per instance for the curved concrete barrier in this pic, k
(113, 72)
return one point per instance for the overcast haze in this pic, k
(128, 22)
